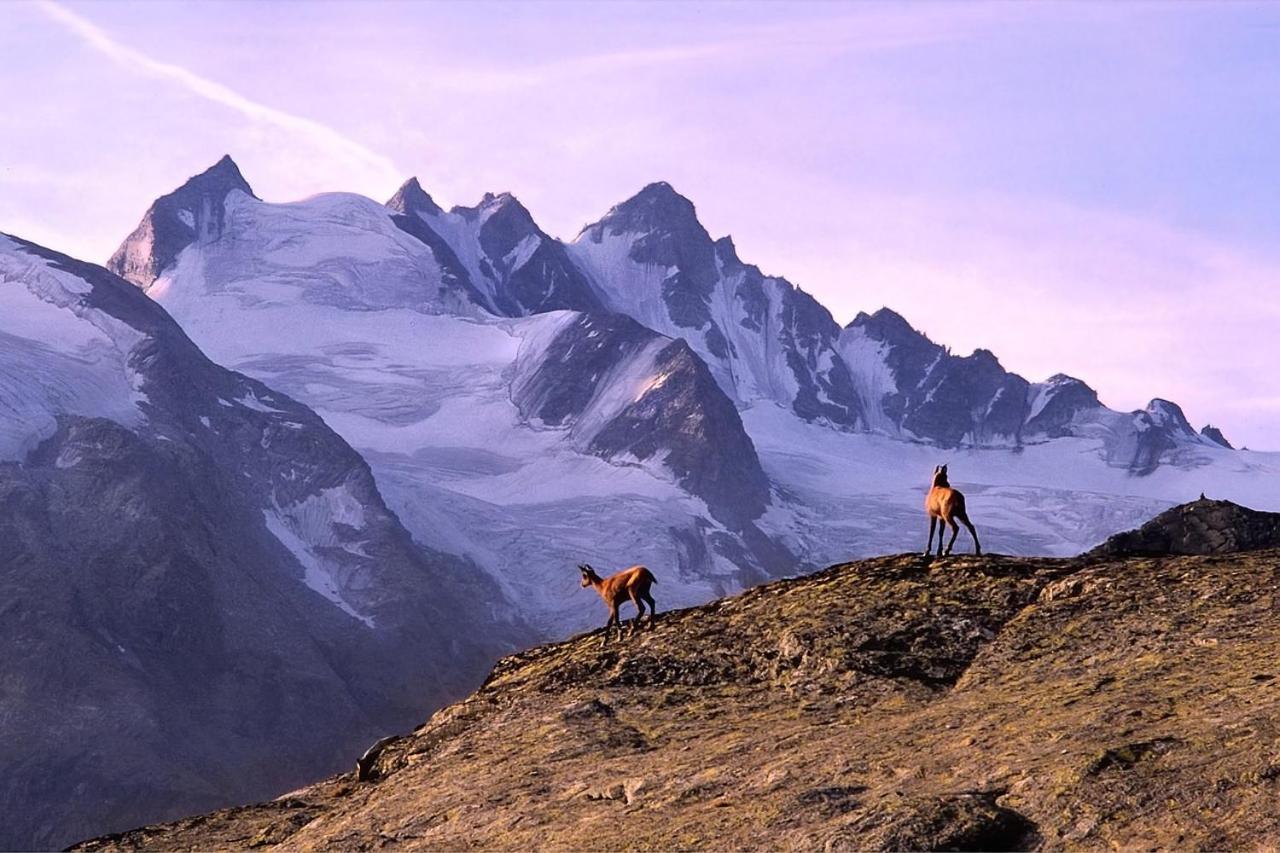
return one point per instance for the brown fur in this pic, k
(946, 505)
(632, 583)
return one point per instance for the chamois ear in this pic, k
(944, 469)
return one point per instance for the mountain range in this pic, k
(281, 477)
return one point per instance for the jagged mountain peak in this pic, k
(412, 198)
(726, 251)
(495, 203)
(657, 208)
(219, 179)
(193, 212)
(1168, 414)
(985, 356)
(1215, 435)
(888, 325)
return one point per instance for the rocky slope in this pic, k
(205, 597)
(1204, 526)
(897, 703)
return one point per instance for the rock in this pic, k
(616, 791)
(632, 789)
(366, 765)
(1203, 526)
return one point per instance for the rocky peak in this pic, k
(1203, 526)
(727, 252)
(889, 326)
(193, 212)
(1215, 435)
(1167, 416)
(222, 177)
(412, 198)
(656, 209)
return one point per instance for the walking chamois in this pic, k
(945, 506)
(630, 583)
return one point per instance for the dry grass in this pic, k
(968, 703)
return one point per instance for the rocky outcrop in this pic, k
(626, 392)
(1203, 526)
(1215, 435)
(193, 212)
(496, 252)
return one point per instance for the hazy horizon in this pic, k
(1080, 188)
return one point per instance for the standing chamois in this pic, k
(630, 583)
(945, 506)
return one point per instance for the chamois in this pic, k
(630, 583)
(945, 506)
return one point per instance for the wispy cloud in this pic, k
(868, 30)
(320, 135)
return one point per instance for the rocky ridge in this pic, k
(968, 703)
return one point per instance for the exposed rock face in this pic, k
(762, 337)
(919, 388)
(985, 703)
(193, 212)
(1215, 435)
(1203, 526)
(206, 599)
(912, 387)
(496, 252)
(628, 392)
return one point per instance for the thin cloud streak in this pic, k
(321, 135)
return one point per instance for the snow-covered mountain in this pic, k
(205, 597)
(477, 411)
(848, 422)
(763, 338)
(525, 443)
(912, 388)
(496, 253)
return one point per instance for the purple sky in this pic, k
(1083, 188)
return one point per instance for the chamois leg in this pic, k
(653, 608)
(928, 549)
(977, 546)
(608, 626)
(955, 531)
(942, 532)
(635, 599)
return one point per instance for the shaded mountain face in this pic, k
(206, 598)
(627, 392)
(991, 703)
(495, 250)
(603, 436)
(763, 338)
(195, 211)
(914, 388)
(1203, 526)
(1215, 435)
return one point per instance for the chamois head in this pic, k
(589, 575)
(940, 476)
